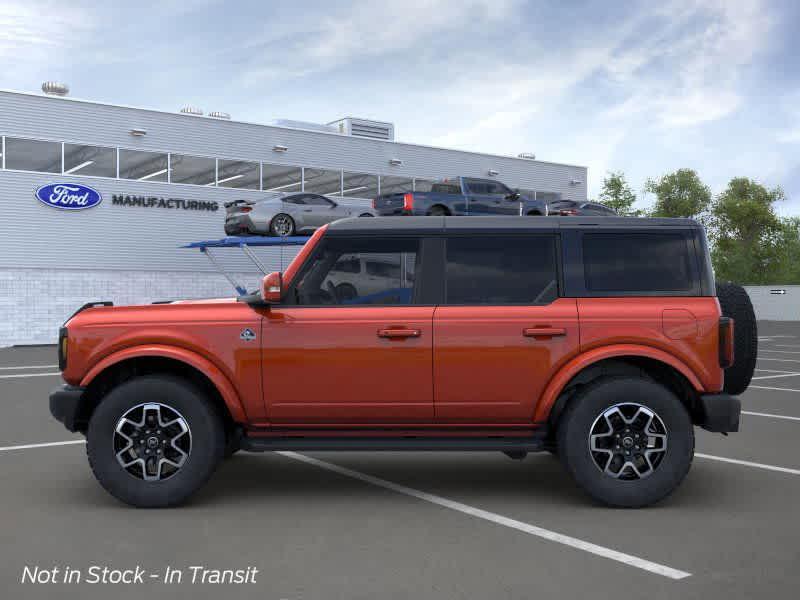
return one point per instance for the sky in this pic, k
(639, 87)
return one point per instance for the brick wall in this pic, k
(35, 302)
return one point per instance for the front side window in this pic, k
(494, 271)
(636, 262)
(336, 277)
(318, 201)
(33, 155)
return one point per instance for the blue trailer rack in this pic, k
(245, 244)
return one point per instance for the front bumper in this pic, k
(720, 412)
(67, 406)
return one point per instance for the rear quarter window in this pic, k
(637, 262)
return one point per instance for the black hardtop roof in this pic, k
(434, 225)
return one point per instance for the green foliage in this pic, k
(617, 195)
(751, 244)
(679, 194)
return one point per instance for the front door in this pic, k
(352, 344)
(502, 330)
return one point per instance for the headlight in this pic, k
(63, 340)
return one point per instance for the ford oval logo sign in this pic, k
(68, 196)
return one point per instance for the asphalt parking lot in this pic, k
(411, 525)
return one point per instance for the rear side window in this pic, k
(638, 262)
(493, 271)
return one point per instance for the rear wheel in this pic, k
(627, 441)
(735, 303)
(366, 215)
(438, 211)
(154, 440)
(282, 225)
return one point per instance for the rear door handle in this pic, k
(399, 333)
(544, 332)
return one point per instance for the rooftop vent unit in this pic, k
(375, 130)
(192, 110)
(527, 155)
(54, 88)
(292, 124)
(215, 114)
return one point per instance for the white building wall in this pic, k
(770, 306)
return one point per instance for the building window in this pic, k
(360, 185)
(396, 185)
(323, 181)
(144, 166)
(96, 161)
(281, 178)
(33, 155)
(238, 174)
(196, 170)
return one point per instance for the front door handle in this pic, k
(399, 334)
(544, 332)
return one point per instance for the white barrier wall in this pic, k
(775, 302)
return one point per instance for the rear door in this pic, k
(503, 330)
(354, 342)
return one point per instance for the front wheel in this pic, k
(154, 440)
(627, 441)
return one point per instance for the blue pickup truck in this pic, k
(460, 196)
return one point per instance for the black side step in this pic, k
(400, 444)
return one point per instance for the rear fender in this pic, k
(581, 362)
(217, 377)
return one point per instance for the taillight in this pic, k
(568, 212)
(408, 202)
(725, 342)
(374, 203)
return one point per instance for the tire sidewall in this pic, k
(208, 441)
(575, 427)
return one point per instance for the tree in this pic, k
(617, 194)
(751, 243)
(679, 194)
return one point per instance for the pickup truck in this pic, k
(460, 196)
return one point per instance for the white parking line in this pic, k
(18, 375)
(771, 371)
(29, 367)
(786, 345)
(780, 351)
(776, 376)
(45, 445)
(747, 463)
(770, 415)
(628, 559)
(778, 359)
(763, 387)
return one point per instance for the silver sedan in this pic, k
(283, 214)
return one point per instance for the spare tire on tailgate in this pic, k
(735, 303)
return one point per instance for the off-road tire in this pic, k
(735, 303)
(573, 436)
(207, 440)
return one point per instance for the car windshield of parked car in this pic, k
(360, 272)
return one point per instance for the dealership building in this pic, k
(161, 180)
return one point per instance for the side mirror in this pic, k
(272, 287)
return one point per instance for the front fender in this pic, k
(217, 377)
(582, 361)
